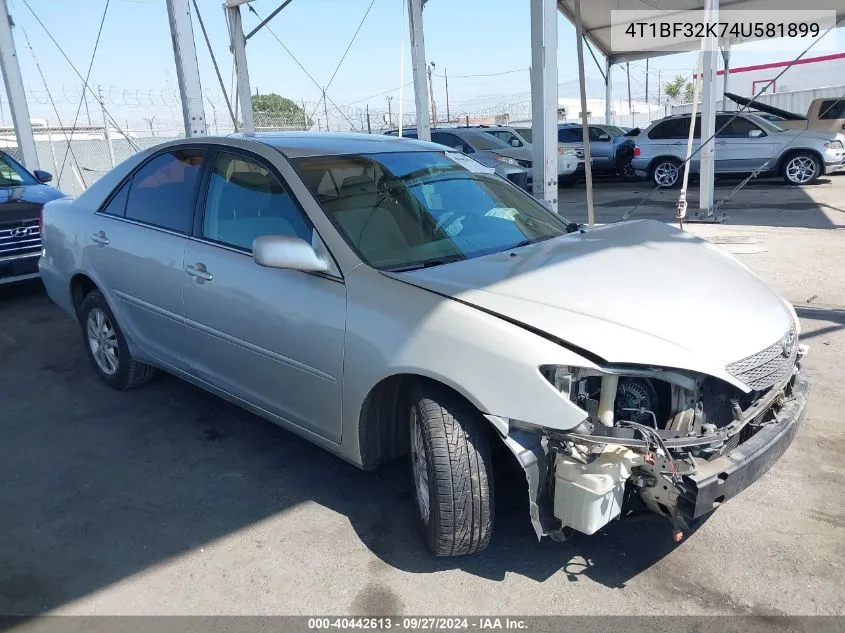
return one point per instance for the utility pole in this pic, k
(415, 22)
(389, 111)
(369, 129)
(630, 107)
(214, 115)
(150, 121)
(106, 125)
(659, 88)
(446, 78)
(15, 90)
(431, 95)
(326, 110)
(304, 116)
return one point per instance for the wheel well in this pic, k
(382, 432)
(800, 150)
(80, 287)
(657, 159)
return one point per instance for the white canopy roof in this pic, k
(597, 18)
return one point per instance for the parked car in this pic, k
(513, 163)
(746, 144)
(567, 162)
(382, 297)
(602, 149)
(22, 194)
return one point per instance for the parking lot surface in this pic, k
(168, 500)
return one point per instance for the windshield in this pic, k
(485, 141)
(12, 174)
(405, 210)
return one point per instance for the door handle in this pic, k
(100, 238)
(199, 271)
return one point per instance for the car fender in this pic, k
(395, 328)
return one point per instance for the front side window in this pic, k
(163, 191)
(570, 135)
(526, 133)
(412, 209)
(12, 174)
(245, 200)
(450, 140)
(507, 137)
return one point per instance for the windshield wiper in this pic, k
(428, 263)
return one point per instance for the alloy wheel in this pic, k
(102, 339)
(801, 170)
(666, 174)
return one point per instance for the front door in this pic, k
(271, 337)
(136, 245)
(742, 146)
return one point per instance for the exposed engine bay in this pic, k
(660, 438)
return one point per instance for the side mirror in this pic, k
(42, 176)
(755, 133)
(515, 142)
(292, 253)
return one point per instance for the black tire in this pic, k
(658, 167)
(567, 181)
(459, 472)
(128, 373)
(793, 173)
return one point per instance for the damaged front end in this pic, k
(680, 443)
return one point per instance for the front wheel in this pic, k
(801, 168)
(451, 471)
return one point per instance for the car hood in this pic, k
(634, 292)
(521, 153)
(25, 202)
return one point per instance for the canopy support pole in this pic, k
(588, 160)
(708, 115)
(544, 102)
(15, 91)
(187, 68)
(608, 92)
(415, 20)
(238, 45)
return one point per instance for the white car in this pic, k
(567, 159)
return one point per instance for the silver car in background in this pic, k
(384, 297)
(747, 143)
(567, 161)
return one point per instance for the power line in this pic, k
(352, 41)
(87, 77)
(293, 57)
(56, 111)
(216, 67)
(132, 143)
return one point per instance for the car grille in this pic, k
(765, 368)
(19, 239)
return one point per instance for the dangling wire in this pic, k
(58, 117)
(216, 68)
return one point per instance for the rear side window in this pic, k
(117, 204)
(163, 191)
(675, 128)
(832, 109)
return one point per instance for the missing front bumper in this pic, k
(717, 481)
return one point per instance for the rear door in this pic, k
(273, 338)
(136, 249)
(670, 137)
(742, 145)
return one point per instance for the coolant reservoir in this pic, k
(589, 495)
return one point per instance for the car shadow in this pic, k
(101, 485)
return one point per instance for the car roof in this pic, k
(302, 144)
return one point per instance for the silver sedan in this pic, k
(385, 297)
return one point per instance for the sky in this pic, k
(483, 45)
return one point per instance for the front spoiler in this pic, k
(725, 477)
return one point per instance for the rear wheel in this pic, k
(801, 168)
(451, 471)
(666, 172)
(107, 347)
